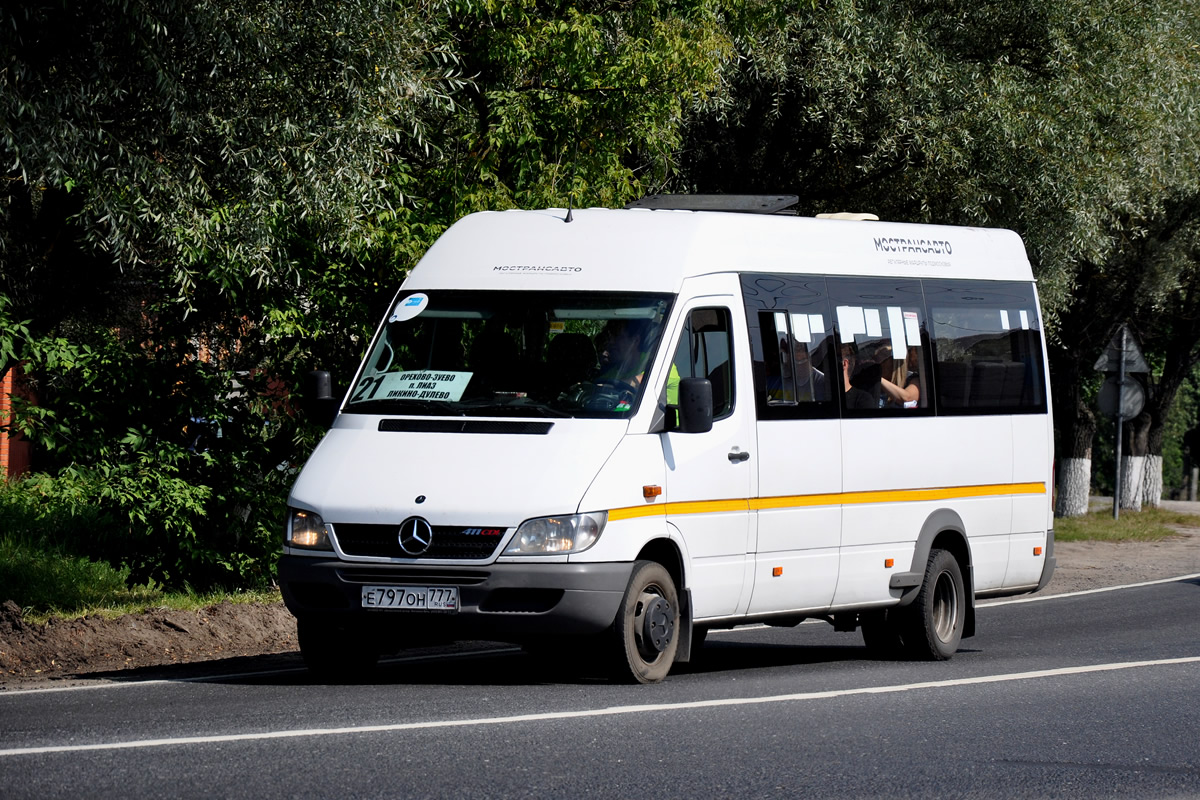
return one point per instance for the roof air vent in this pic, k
(738, 203)
(849, 215)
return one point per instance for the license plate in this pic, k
(411, 598)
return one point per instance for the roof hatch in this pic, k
(739, 203)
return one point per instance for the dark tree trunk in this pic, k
(1076, 429)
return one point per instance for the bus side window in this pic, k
(988, 348)
(884, 346)
(795, 360)
(792, 349)
(705, 351)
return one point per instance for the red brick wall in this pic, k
(14, 450)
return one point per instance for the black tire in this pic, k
(933, 625)
(647, 625)
(335, 652)
(881, 633)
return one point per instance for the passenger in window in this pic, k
(796, 364)
(869, 368)
(856, 397)
(904, 389)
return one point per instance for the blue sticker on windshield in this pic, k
(409, 307)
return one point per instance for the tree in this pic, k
(1072, 123)
(206, 199)
(1173, 318)
(571, 103)
(176, 172)
(995, 114)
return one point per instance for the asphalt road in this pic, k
(1094, 695)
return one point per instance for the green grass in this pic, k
(1147, 525)
(44, 574)
(143, 599)
(46, 581)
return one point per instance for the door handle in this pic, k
(739, 455)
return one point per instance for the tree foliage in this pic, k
(1060, 120)
(200, 138)
(175, 173)
(203, 200)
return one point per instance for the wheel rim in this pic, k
(945, 607)
(654, 624)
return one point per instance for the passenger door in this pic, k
(711, 476)
(799, 519)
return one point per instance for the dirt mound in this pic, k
(64, 647)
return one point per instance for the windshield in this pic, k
(528, 354)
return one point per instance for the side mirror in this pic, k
(695, 405)
(317, 397)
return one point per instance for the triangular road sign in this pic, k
(1110, 360)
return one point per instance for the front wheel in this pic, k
(647, 625)
(934, 622)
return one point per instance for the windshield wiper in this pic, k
(398, 406)
(508, 407)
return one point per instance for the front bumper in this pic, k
(501, 602)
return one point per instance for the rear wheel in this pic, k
(647, 625)
(933, 624)
(335, 652)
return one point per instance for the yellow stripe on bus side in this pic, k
(840, 498)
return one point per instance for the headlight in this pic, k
(306, 529)
(547, 535)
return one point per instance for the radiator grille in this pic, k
(383, 541)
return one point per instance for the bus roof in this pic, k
(656, 250)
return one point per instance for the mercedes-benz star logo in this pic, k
(416, 534)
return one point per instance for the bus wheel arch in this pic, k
(943, 530)
(666, 553)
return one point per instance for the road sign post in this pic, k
(1123, 398)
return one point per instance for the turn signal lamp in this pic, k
(776, 571)
(1037, 551)
(888, 563)
(651, 491)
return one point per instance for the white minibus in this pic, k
(614, 430)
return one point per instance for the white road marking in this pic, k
(1082, 592)
(1006, 602)
(598, 712)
